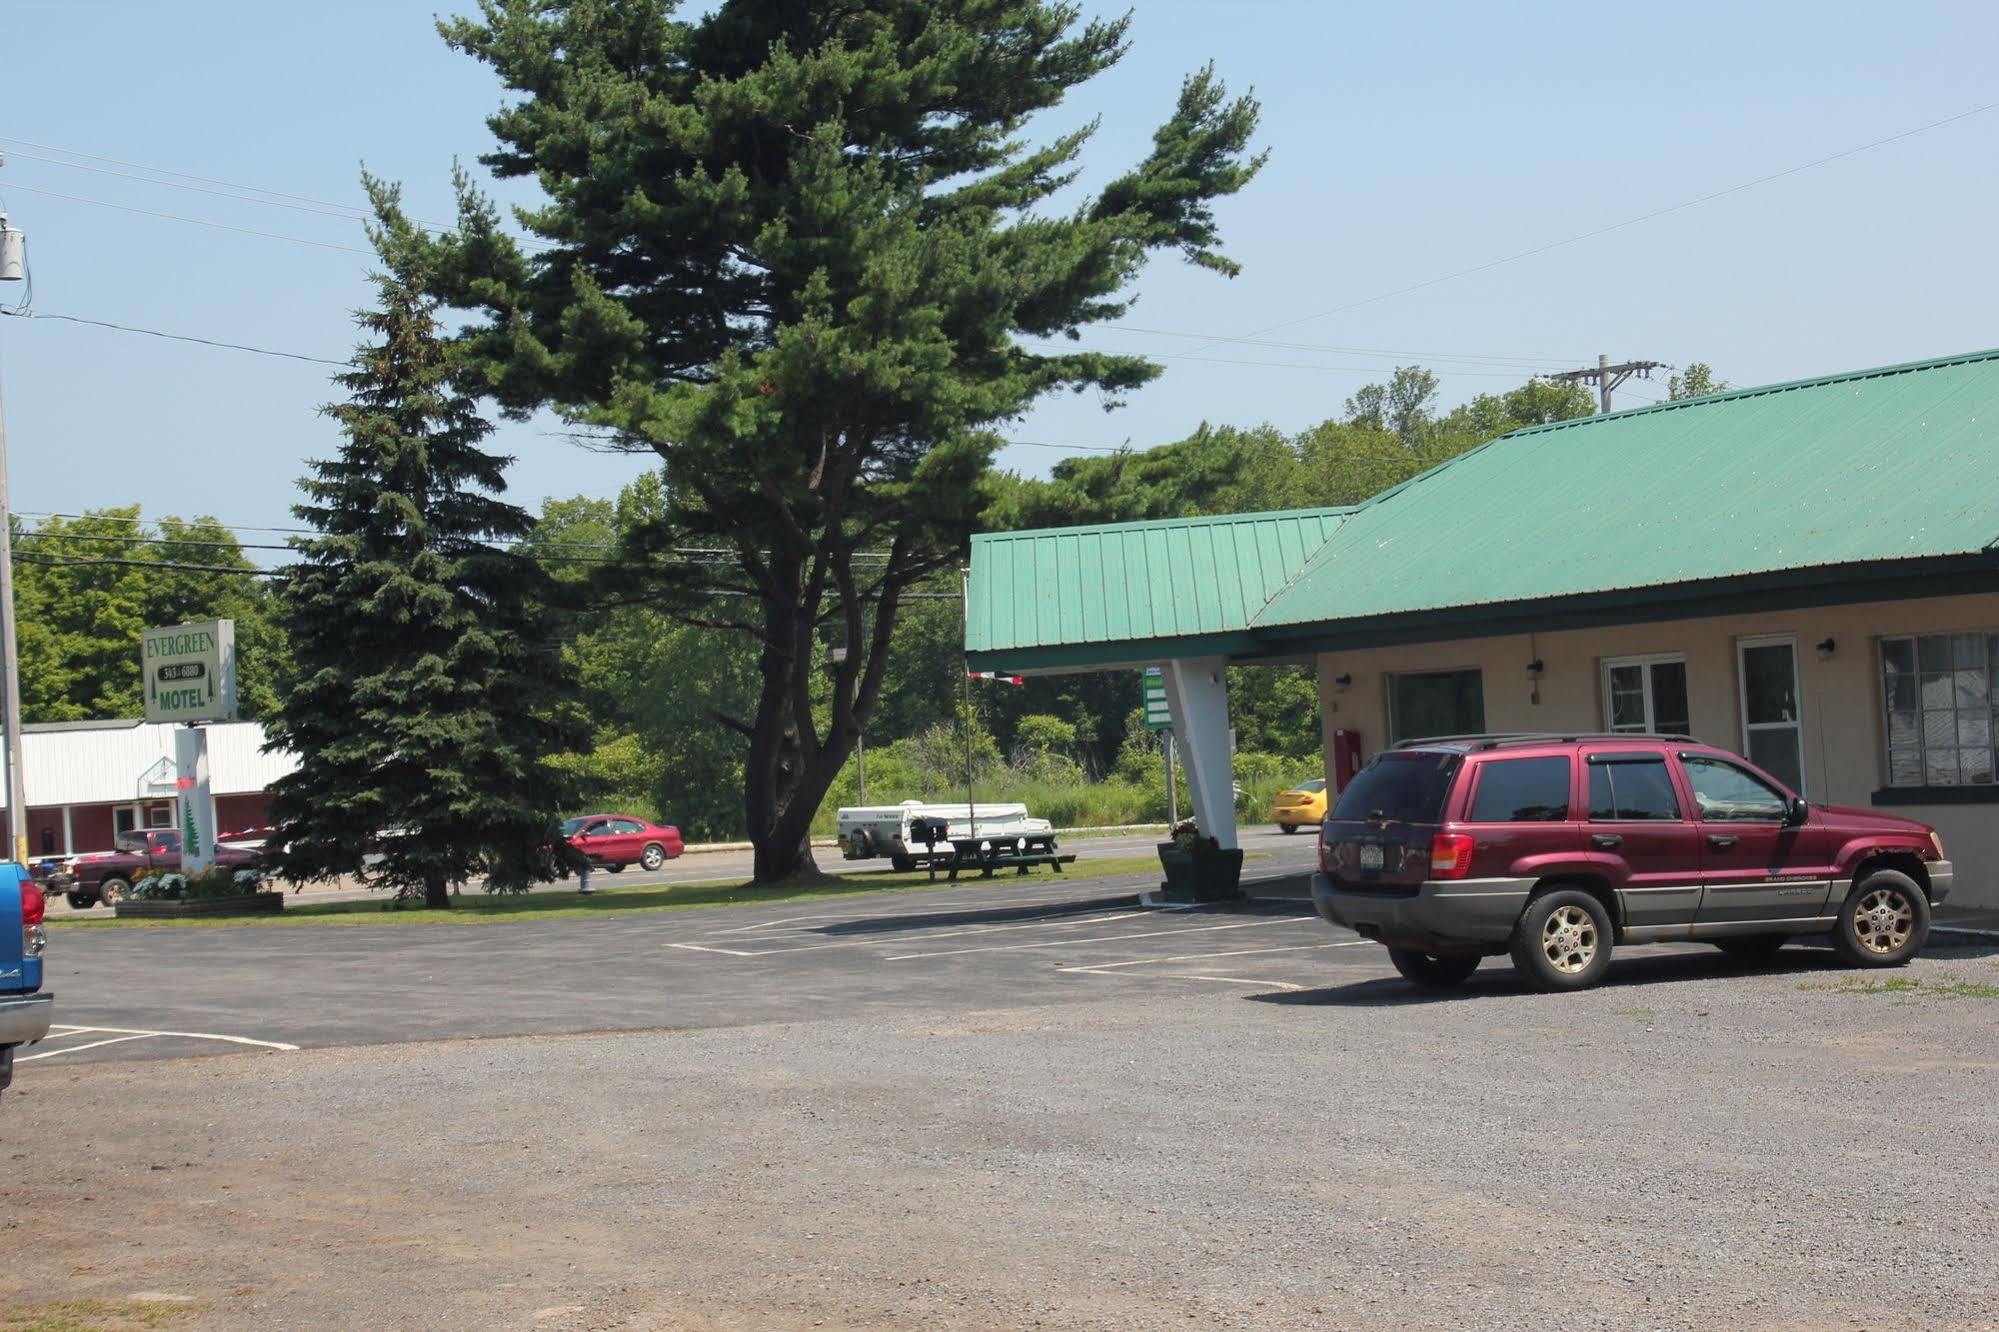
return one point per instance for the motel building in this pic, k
(1806, 573)
(89, 781)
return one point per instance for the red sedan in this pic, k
(617, 840)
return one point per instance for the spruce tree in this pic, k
(427, 687)
(812, 256)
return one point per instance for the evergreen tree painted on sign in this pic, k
(816, 257)
(427, 689)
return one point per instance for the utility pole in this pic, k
(1607, 377)
(13, 268)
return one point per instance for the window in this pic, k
(1646, 695)
(1728, 794)
(1406, 787)
(1316, 785)
(626, 826)
(1624, 790)
(1524, 790)
(1435, 703)
(1771, 734)
(1941, 712)
(159, 816)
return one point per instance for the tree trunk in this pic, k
(789, 769)
(436, 895)
(785, 777)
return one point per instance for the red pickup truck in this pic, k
(107, 876)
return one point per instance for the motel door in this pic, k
(1772, 735)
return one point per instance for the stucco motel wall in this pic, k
(1841, 704)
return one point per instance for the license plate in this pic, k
(1369, 855)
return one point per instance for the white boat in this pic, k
(868, 831)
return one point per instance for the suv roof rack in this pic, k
(1494, 740)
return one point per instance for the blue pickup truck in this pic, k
(24, 1010)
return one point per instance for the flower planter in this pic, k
(1204, 873)
(246, 904)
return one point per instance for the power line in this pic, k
(341, 211)
(691, 554)
(358, 211)
(1269, 365)
(191, 221)
(1468, 357)
(176, 337)
(1594, 232)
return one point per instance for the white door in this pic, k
(1772, 731)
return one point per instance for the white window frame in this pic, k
(1796, 724)
(1645, 660)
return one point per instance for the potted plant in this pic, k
(1199, 869)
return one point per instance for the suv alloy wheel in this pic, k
(1562, 941)
(1883, 922)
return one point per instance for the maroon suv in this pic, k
(1554, 848)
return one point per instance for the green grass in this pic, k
(481, 908)
(1944, 987)
(95, 1315)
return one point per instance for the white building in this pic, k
(89, 781)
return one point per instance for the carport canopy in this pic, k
(1860, 486)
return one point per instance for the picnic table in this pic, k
(989, 854)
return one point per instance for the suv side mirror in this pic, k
(1797, 812)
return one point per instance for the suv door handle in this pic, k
(1606, 841)
(1722, 841)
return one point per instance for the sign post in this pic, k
(190, 675)
(1159, 717)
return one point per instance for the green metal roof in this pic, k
(1128, 582)
(1811, 480)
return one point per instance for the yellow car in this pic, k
(1302, 804)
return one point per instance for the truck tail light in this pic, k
(34, 906)
(1325, 854)
(1450, 855)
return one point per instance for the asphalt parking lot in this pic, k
(1008, 940)
(1010, 1104)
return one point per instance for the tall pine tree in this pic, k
(811, 256)
(428, 689)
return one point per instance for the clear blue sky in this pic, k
(1407, 141)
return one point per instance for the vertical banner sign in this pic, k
(197, 799)
(1158, 716)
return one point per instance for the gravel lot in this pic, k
(1695, 1145)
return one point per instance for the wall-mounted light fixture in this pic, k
(1534, 669)
(1826, 647)
(1343, 681)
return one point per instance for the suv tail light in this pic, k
(1450, 856)
(34, 906)
(1325, 853)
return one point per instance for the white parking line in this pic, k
(1195, 957)
(72, 1049)
(1103, 938)
(938, 934)
(837, 917)
(122, 1034)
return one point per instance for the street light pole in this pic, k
(11, 270)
